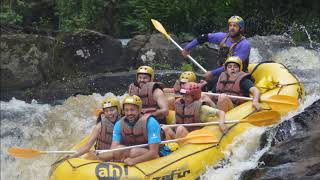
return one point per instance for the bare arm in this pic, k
(256, 96)
(162, 102)
(205, 98)
(168, 90)
(93, 137)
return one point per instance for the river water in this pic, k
(58, 127)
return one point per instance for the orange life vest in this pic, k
(186, 114)
(137, 134)
(104, 139)
(231, 85)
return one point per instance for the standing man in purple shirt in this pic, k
(232, 43)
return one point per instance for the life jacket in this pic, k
(231, 85)
(149, 105)
(186, 114)
(145, 93)
(226, 51)
(104, 139)
(137, 134)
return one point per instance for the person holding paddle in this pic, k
(135, 128)
(232, 43)
(151, 94)
(233, 81)
(102, 132)
(189, 109)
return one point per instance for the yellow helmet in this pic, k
(188, 76)
(146, 70)
(111, 102)
(135, 100)
(234, 59)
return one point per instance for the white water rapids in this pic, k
(46, 127)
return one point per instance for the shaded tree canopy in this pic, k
(121, 18)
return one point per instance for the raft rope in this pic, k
(281, 86)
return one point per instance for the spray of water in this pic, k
(43, 127)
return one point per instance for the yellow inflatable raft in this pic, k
(190, 160)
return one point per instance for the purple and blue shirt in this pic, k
(242, 49)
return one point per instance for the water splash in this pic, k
(43, 127)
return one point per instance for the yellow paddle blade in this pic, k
(23, 153)
(263, 118)
(202, 136)
(282, 103)
(160, 28)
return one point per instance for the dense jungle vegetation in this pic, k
(125, 18)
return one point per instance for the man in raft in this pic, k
(189, 109)
(101, 134)
(233, 81)
(133, 129)
(151, 94)
(232, 43)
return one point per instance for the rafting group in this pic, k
(141, 119)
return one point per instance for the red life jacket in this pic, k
(104, 139)
(137, 134)
(231, 85)
(186, 114)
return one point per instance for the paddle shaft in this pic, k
(58, 152)
(205, 124)
(136, 146)
(234, 97)
(191, 58)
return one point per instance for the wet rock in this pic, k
(90, 52)
(117, 83)
(31, 61)
(295, 151)
(155, 50)
(24, 61)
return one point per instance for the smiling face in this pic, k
(143, 79)
(131, 112)
(234, 29)
(232, 69)
(111, 113)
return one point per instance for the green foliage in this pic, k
(74, 14)
(186, 67)
(12, 11)
(126, 18)
(159, 66)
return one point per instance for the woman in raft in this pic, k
(101, 134)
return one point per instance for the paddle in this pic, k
(161, 29)
(261, 118)
(30, 153)
(201, 136)
(277, 102)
